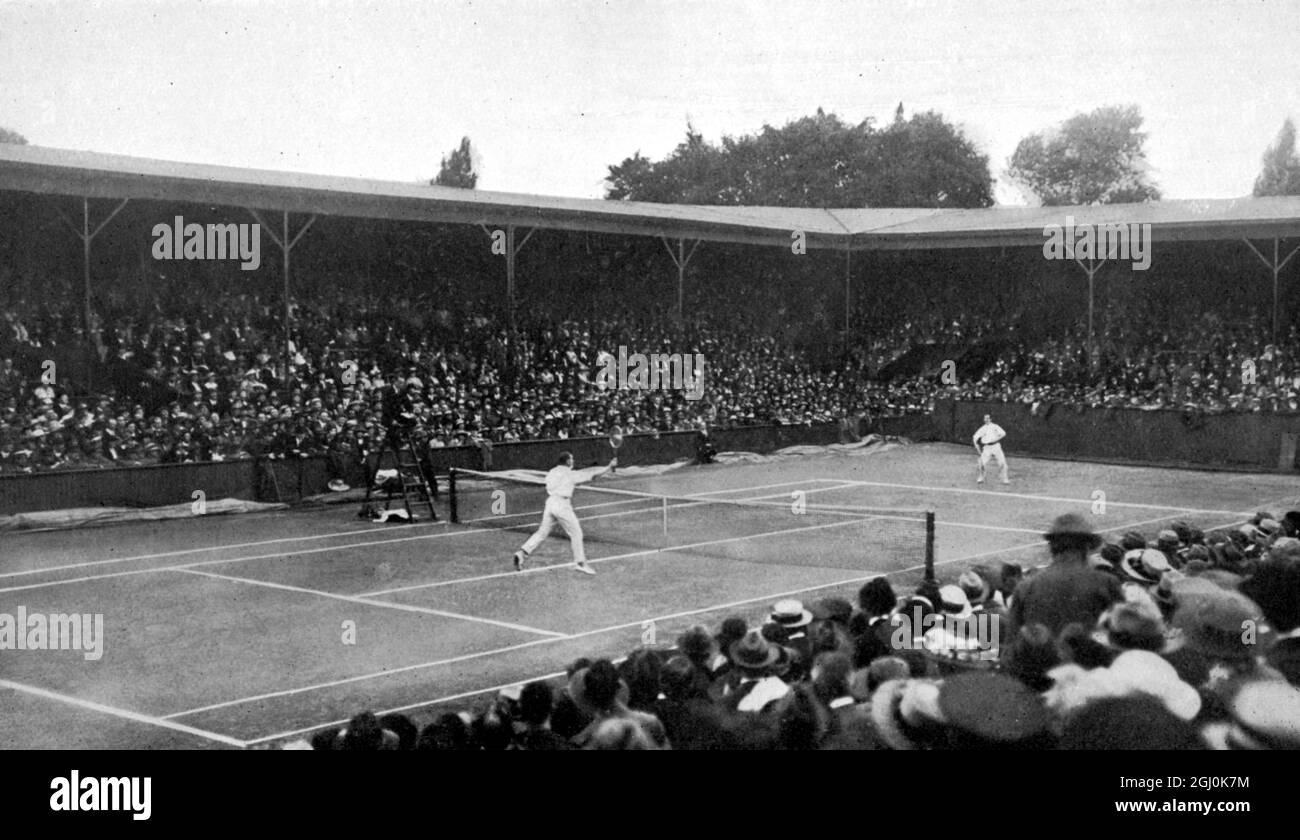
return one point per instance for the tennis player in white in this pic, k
(988, 443)
(560, 483)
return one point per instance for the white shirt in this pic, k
(989, 433)
(561, 480)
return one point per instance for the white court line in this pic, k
(558, 566)
(1088, 502)
(512, 648)
(642, 553)
(387, 528)
(277, 555)
(221, 560)
(658, 500)
(358, 599)
(523, 645)
(182, 552)
(121, 713)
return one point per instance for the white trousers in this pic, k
(559, 512)
(993, 452)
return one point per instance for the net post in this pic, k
(451, 496)
(929, 546)
(663, 503)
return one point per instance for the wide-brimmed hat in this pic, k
(1284, 548)
(790, 613)
(1145, 565)
(1167, 540)
(1131, 540)
(578, 691)
(900, 710)
(976, 588)
(953, 601)
(837, 610)
(1149, 673)
(1214, 622)
(1265, 716)
(1131, 626)
(753, 652)
(993, 707)
(1134, 672)
(338, 486)
(1075, 526)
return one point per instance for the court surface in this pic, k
(233, 631)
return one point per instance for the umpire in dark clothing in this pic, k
(399, 413)
(1067, 591)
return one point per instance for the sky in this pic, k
(552, 92)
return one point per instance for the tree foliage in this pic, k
(457, 168)
(816, 161)
(1093, 158)
(1280, 174)
(7, 136)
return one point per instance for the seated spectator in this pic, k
(756, 687)
(535, 704)
(1275, 587)
(600, 692)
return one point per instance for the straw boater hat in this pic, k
(790, 614)
(1145, 565)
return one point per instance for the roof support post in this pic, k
(1094, 265)
(681, 259)
(87, 237)
(511, 254)
(286, 242)
(848, 298)
(1275, 266)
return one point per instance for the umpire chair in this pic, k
(410, 484)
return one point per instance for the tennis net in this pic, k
(782, 528)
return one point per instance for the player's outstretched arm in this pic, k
(583, 477)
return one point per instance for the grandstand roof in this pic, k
(95, 175)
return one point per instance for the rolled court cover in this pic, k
(780, 528)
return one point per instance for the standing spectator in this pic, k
(1067, 591)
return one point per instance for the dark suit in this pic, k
(1065, 592)
(874, 642)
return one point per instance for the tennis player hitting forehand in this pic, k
(560, 483)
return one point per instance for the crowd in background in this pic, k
(204, 378)
(472, 377)
(1185, 641)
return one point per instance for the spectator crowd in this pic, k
(207, 381)
(1185, 641)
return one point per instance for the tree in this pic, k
(457, 168)
(816, 161)
(927, 162)
(7, 136)
(1280, 174)
(1094, 158)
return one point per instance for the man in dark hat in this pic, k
(1068, 590)
(756, 687)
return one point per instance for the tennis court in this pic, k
(234, 631)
